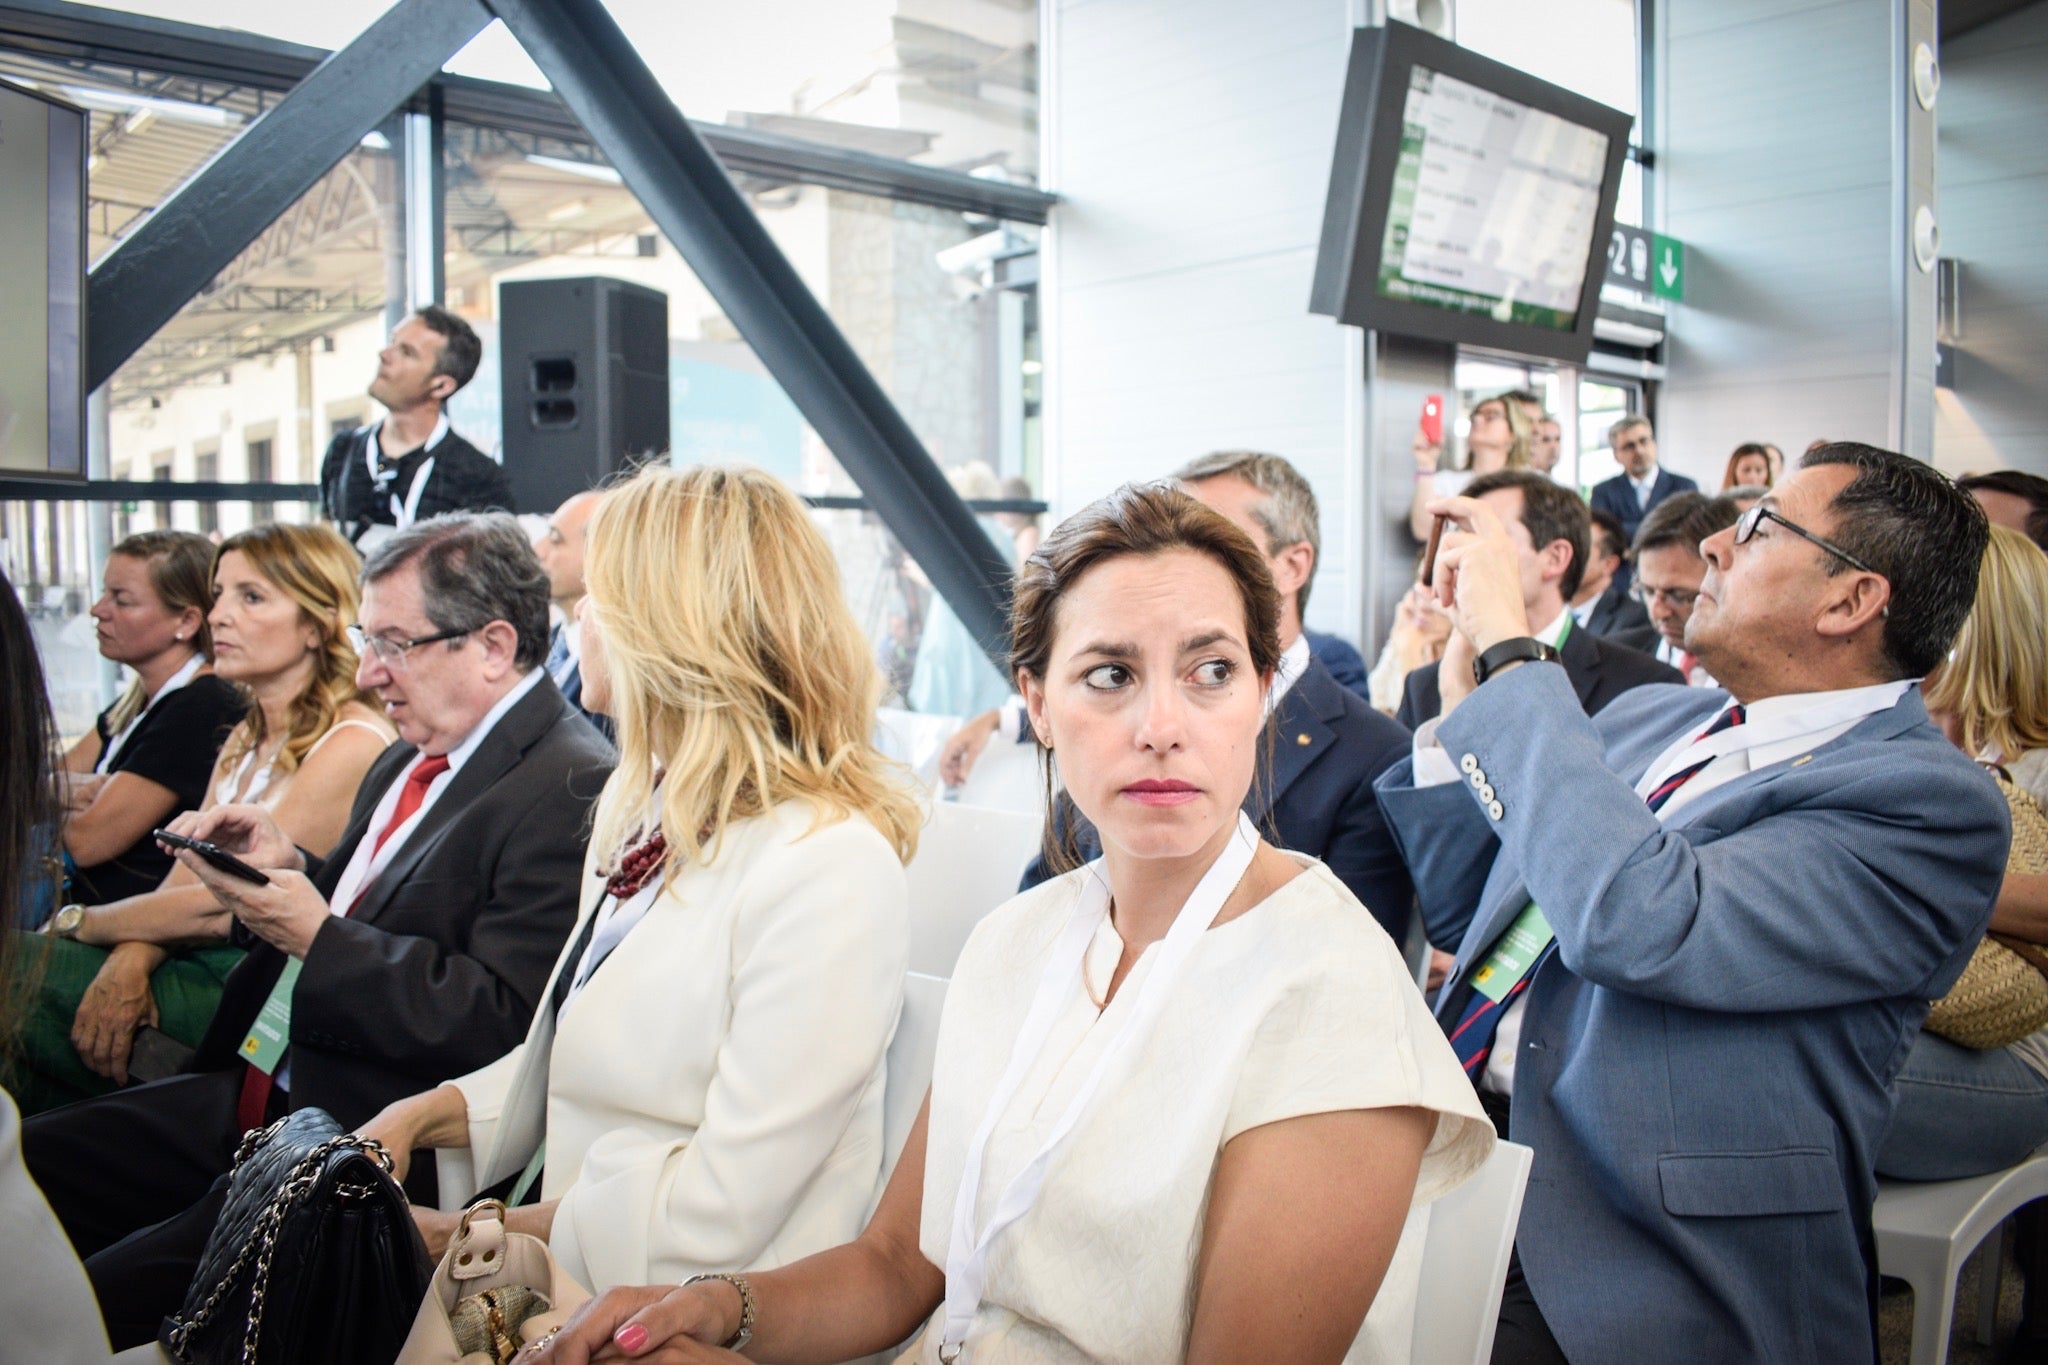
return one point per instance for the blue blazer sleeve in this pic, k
(1833, 883)
(1448, 844)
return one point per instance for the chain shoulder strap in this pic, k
(262, 1246)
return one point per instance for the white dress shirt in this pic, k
(368, 860)
(1644, 487)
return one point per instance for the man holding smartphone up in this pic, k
(1661, 985)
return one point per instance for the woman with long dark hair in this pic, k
(45, 1301)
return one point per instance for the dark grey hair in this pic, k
(1912, 524)
(474, 568)
(1288, 515)
(1628, 423)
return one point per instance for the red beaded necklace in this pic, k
(638, 866)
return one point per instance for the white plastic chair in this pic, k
(1927, 1229)
(910, 1064)
(1465, 1261)
(968, 862)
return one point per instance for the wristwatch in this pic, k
(1524, 649)
(745, 1332)
(66, 922)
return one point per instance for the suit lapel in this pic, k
(1581, 659)
(499, 753)
(1299, 737)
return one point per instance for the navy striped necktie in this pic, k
(1472, 1039)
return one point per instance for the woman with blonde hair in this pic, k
(1497, 437)
(1186, 1098)
(1963, 1112)
(283, 598)
(150, 753)
(702, 1085)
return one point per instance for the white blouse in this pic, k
(712, 1098)
(1301, 1005)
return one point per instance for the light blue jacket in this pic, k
(1704, 1065)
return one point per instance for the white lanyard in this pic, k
(407, 512)
(365, 866)
(177, 680)
(967, 1254)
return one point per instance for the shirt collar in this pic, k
(1553, 634)
(1784, 726)
(462, 752)
(1293, 663)
(1648, 482)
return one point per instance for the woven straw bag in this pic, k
(2002, 995)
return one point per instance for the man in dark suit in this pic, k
(1602, 604)
(1642, 484)
(410, 466)
(1328, 744)
(418, 949)
(1550, 529)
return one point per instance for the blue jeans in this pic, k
(1962, 1112)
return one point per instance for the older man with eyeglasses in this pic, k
(417, 950)
(1699, 930)
(1669, 569)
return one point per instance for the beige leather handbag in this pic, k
(493, 1293)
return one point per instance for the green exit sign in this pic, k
(1647, 262)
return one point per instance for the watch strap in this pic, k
(1521, 649)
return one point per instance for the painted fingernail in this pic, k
(631, 1337)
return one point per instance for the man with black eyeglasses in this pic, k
(1697, 932)
(416, 951)
(1669, 570)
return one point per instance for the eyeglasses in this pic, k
(1640, 591)
(1746, 526)
(391, 653)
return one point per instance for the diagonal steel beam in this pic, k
(604, 82)
(140, 285)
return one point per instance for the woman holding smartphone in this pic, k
(1151, 1071)
(283, 598)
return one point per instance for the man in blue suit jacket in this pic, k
(1642, 484)
(561, 554)
(1698, 934)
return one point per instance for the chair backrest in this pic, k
(968, 862)
(1465, 1261)
(910, 1064)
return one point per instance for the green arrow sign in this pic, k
(1667, 267)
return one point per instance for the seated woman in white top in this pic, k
(283, 599)
(702, 1087)
(1186, 1098)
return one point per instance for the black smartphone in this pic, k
(156, 1054)
(213, 853)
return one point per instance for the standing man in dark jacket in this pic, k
(409, 466)
(417, 950)
(1642, 483)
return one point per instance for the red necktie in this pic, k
(256, 1084)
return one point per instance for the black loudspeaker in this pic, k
(584, 368)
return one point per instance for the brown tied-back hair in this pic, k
(181, 575)
(1137, 519)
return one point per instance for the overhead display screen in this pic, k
(1493, 206)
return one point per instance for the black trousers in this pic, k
(137, 1178)
(1520, 1336)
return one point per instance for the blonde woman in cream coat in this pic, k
(706, 1071)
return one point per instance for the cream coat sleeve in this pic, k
(819, 945)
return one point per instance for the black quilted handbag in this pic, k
(314, 1257)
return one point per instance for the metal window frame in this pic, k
(603, 92)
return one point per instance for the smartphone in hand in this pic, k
(1433, 419)
(213, 853)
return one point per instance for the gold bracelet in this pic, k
(738, 1340)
